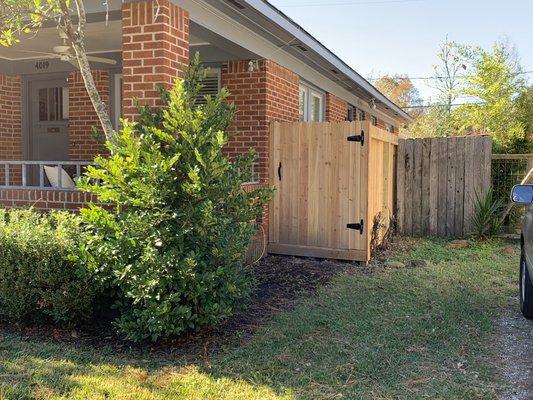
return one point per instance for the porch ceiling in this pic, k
(102, 37)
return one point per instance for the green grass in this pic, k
(389, 334)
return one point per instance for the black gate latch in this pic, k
(358, 227)
(358, 138)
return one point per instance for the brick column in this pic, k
(270, 93)
(336, 108)
(155, 47)
(11, 124)
(82, 116)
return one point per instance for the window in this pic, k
(311, 104)
(350, 114)
(389, 128)
(53, 104)
(360, 114)
(374, 120)
(211, 85)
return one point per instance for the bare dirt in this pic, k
(515, 343)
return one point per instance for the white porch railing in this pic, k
(59, 175)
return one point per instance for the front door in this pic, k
(48, 139)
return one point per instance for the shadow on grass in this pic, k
(405, 333)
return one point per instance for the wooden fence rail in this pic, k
(438, 179)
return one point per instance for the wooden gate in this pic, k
(321, 175)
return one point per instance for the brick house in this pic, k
(273, 68)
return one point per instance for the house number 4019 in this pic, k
(42, 65)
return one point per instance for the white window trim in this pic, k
(117, 106)
(310, 93)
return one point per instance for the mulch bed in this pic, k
(280, 282)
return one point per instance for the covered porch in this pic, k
(47, 121)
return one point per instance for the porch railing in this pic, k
(59, 175)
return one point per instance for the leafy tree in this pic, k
(172, 239)
(447, 78)
(23, 18)
(494, 84)
(399, 89)
(433, 121)
(524, 104)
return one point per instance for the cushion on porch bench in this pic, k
(66, 180)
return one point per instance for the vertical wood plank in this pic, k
(450, 192)
(400, 186)
(433, 187)
(303, 206)
(417, 189)
(365, 194)
(274, 182)
(344, 185)
(459, 186)
(425, 187)
(335, 217)
(409, 185)
(469, 194)
(487, 160)
(443, 186)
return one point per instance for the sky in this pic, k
(378, 37)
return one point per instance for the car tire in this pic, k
(526, 289)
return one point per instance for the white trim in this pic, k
(311, 93)
(117, 96)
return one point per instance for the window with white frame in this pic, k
(360, 114)
(312, 104)
(374, 120)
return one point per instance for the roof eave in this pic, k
(291, 27)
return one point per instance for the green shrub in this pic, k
(172, 248)
(39, 279)
(486, 218)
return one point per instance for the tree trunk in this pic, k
(99, 106)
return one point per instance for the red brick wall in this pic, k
(45, 199)
(336, 108)
(82, 117)
(10, 124)
(155, 46)
(270, 93)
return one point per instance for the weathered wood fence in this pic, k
(437, 182)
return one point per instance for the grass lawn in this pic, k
(405, 333)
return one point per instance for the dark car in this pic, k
(523, 194)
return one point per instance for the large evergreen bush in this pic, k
(172, 244)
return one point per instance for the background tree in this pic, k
(399, 89)
(447, 78)
(493, 86)
(524, 104)
(21, 18)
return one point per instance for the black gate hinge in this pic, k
(358, 138)
(358, 227)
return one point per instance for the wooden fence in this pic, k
(437, 182)
(331, 181)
